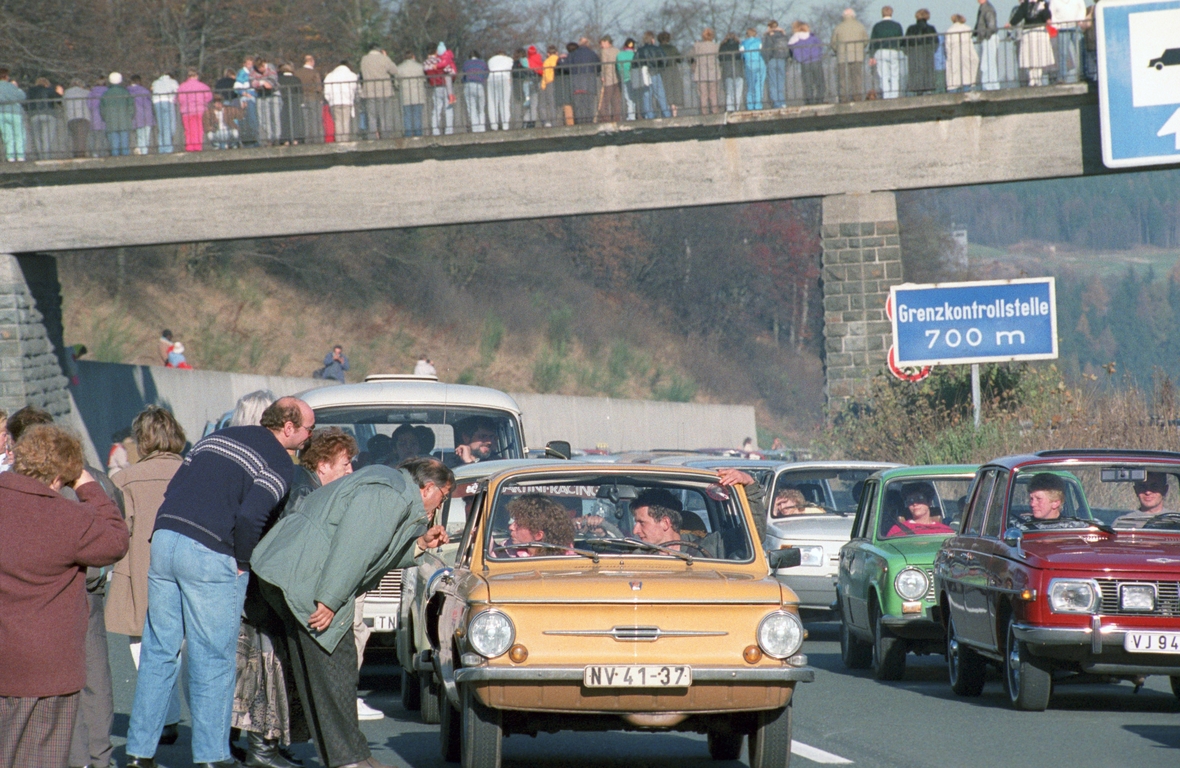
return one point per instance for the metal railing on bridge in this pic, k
(95, 123)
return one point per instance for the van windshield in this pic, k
(390, 434)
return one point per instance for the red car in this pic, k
(1066, 563)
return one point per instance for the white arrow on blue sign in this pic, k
(990, 321)
(1139, 82)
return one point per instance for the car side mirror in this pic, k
(558, 449)
(784, 558)
(1013, 536)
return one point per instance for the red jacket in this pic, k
(46, 544)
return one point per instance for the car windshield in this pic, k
(916, 506)
(1115, 495)
(390, 434)
(832, 491)
(588, 516)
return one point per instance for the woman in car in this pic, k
(537, 525)
(920, 518)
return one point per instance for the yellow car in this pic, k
(608, 597)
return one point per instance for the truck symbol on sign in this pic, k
(1170, 58)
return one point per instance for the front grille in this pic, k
(1167, 597)
(930, 590)
(390, 586)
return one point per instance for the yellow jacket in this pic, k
(547, 70)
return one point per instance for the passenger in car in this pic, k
(921, 516)
(536, 519)
(406, 445)
(789, 502)
(1151, 493)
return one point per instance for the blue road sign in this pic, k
(1139, 82)
(991, 321)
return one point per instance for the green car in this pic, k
(885, 586)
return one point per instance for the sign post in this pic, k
(1139, 81)
(990, 321)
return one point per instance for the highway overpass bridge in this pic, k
(854, 155)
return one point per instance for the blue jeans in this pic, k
(776, 77)
(120, 142)
(165, 126)
(655, 96)
(412, 119)
(755, 79)
(193, 593)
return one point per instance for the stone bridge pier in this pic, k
(31, 336)
(861, 260)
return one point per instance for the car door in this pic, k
(957, 561)
(993, 566)
(853, 578)
(449, 601)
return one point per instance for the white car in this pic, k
(831, 490)
(386, 406)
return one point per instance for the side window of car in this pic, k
(864, 513)
(995, 508)
(467, 548)
(973, 524)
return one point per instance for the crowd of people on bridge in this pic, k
(267, 102)
(246, 552)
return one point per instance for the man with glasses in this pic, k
(215, 509)
(475, 441)
(1151, 492)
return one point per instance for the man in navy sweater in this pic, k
(213, 514)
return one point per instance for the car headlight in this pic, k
(1073, 596)
(1137, 597)
(780, 635)
(911, 583)
(811, 556)
(491, 633)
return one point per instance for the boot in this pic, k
(264, 753)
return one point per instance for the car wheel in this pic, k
(770, 743)
(1029, 682)
(482, 735)
(889, 652)
(966, 667)
(449, 741)
(1159, 67)
(725, 745)
(410, 692)
(854, 652)
(429, 695)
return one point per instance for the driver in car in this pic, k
(474, 438)
(1046, 495)
(659, 519)
(1152, 491)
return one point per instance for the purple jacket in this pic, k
(807, 50)
(143, 106)
(96, 121)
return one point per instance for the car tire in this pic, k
(429, 697)
(725, 745)
(967, 668)
(770, 743)
(449, 737)
(1029, 681)
(1159, 67)
(410, 693)
(854, 652)
(482, 734)
(889, 652)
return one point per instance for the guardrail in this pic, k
(95, 124)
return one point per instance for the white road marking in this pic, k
(817, 755)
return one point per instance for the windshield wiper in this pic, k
(639, 544)
(557, 548)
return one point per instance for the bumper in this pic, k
(1095, 649)
(763, 675)
(815, 592)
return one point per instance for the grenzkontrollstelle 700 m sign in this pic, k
(990, 321)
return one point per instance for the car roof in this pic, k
(421, 391)
(718, 462)
(1087, 454)
(574, 466)
(482, 469)
(874, 465)
(929, 470)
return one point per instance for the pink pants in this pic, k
(194, 133)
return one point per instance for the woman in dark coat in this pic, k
(292, 118)
(921, 43)
(47, 545)
(673, 74)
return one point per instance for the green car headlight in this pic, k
(780, 635)
(491, 633)
(911, 583)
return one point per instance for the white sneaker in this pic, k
(365, 712)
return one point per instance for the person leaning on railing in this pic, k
(1036, 49)
(164, 89)
(848, 40)
(78, 117)
(922, 43)
(887, 53)
(705, 70)
(808, 50)
(411, 80)
(42, 106)
(962, 62)
(733, 71)
(12, 125)
(755, 68)
(989, 45)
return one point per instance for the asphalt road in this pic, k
(842, 717)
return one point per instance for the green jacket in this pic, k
(117, 107)
(339, 542)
